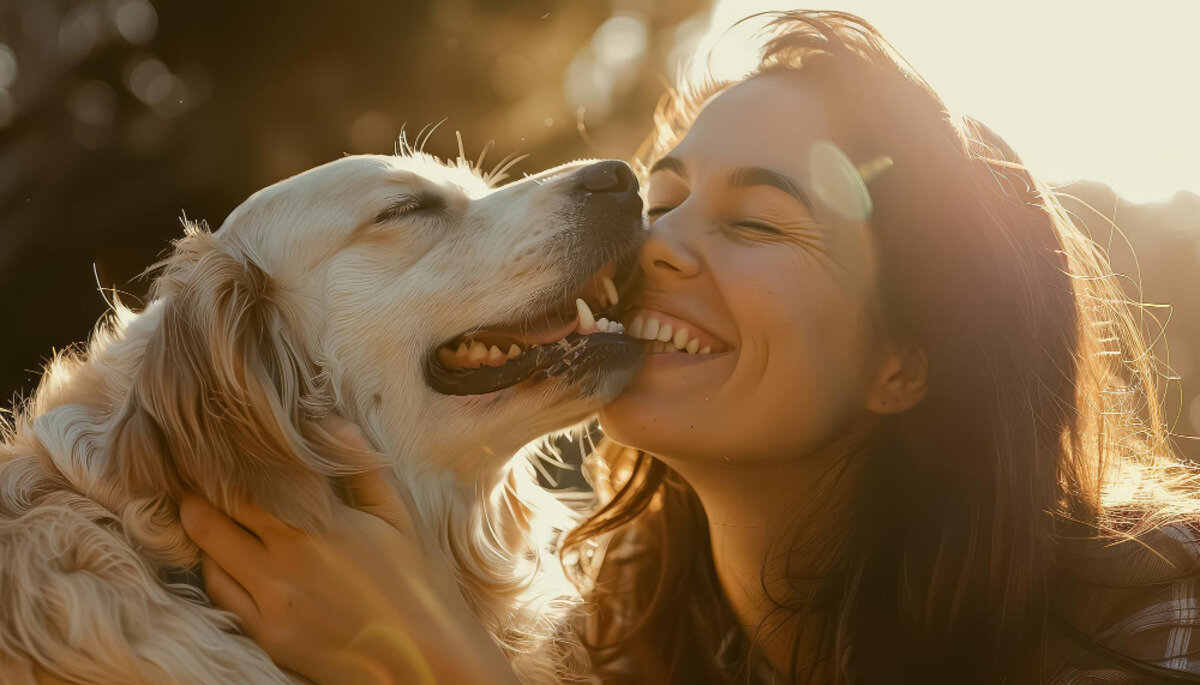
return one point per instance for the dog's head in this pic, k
(437, 312)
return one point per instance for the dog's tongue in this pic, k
(549, 360)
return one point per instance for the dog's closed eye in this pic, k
(421, 202)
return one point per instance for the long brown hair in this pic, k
(1041, 427)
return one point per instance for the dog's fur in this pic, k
(307, 301)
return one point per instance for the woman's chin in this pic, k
(634, 419)
(666, 397)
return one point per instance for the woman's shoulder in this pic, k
(1128, 595)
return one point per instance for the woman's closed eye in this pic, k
(759, 226)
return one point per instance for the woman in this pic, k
(925, 445)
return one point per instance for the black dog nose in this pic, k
(609, 176)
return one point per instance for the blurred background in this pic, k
(117, 117)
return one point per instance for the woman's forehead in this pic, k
(771, 120)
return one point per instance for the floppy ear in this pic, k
(223, 403)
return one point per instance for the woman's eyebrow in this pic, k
(743, 177)
(673, 164)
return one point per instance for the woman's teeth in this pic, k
(661, 336)
(664, 338)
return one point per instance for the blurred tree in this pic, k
(119, 116)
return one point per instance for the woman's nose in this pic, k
(666, 253)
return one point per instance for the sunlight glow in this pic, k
(1079, 89)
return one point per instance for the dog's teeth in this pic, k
(693, 346)
(602, 324)
(650, 332)
(495, 355)
(514, 351)
(620, 328)
(463, 350)
(635, 328)
(681, 338)
(586, 320)
(477, 353)
(664, 333)
(610, 289)
(447, 356)
(706, 350)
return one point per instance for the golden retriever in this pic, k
(451, 320)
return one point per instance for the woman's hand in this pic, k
(368, 601)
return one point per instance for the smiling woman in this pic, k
(930, 421)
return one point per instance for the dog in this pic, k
(452, 319)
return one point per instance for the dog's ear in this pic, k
(223, 400)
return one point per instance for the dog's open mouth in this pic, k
(550, 342)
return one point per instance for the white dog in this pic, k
(451, 321)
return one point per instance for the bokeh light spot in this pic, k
(135, 20)
(8, 66)
(619, 40)
(94, 103)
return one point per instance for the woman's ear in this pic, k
(218, 404)
(901, 382)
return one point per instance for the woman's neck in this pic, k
(774, 526)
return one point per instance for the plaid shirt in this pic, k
(1140, 600)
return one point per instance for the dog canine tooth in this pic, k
(650, 332)
(664, 333)
(514, 351)
(635, 328)
(681, 338)
(693, 346)
(610, 289)
(586, 320)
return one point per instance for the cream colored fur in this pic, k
(300, 305)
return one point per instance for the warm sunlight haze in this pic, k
(1080, 89)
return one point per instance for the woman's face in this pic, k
(780, 291)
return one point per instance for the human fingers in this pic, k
(229, 594)
(379, 493)
(236, 550)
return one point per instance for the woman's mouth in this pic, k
(664, 333)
